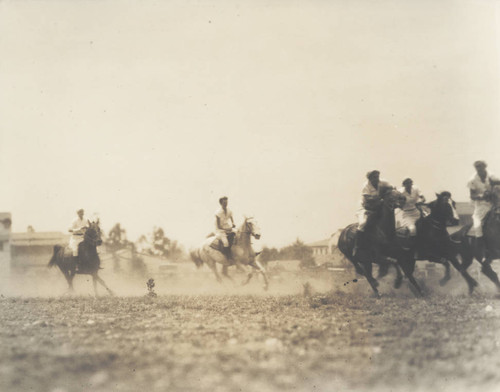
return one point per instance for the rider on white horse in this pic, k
(77, 230)
(224, 225)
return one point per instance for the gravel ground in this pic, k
(331, 340)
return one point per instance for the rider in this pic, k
(480, 186)
(77, 230)
(369, 204)
(224, 225)
(410, 213)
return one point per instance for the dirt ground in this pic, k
(195, 336)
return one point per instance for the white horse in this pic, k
(241, 250)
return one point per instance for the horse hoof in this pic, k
(398, 282)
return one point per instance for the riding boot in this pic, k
(358, 242)
(228, 254)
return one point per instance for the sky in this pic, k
(146, 112)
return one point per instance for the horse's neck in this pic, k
(387, 222)
(437, 216)
(89, 248)
(242, 239)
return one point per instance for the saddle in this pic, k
(217, 243)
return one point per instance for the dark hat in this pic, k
(407, 180)
(371, 173)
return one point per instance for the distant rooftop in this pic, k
(43, 238)
(318, 244)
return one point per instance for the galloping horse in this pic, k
(381, 245)
(87, 253)
(491, 249)
(433, 241)
(241, 249)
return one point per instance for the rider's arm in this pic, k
(421, 197)
(474, 195)
(217, 223)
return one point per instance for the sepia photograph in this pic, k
(250, 196)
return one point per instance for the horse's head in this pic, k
(251, 226)
(495, 196)
(443, 209)
(392, 198)
(93, 233)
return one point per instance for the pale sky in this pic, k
(145, 112)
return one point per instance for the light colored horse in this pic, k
(242, 252)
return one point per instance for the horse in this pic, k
(487, 251)
(434, 244)
(382, 246)
(87, 254)
(241, 250)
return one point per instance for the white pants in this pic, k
(222, 235)
(73, 243)
(481, 208)
(408, 219)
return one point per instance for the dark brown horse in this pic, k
(87, 262)
(489, 249)
(433, 241)
(381, 245)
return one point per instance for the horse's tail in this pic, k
(53, 260)
(195, 256)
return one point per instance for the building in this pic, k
(320, 247)
(464, 211)
(33, 249)
(326, 250)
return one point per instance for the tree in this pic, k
(269, 254)
(299, 251)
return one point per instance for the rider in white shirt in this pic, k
(410, 213)
(480, 186)
(224, 224)
(77, 230)
(369, 204)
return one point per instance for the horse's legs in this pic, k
(488, 271)
(367, 272)
(407, 263)
(211, 264)
(262, 270)
(257, 266)
(96, 278)
(249, 277)
(69, 277)
(225, 274)
(447, 272)
(471, 282)
(383, 269)
(94, 283)
(399, 277)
